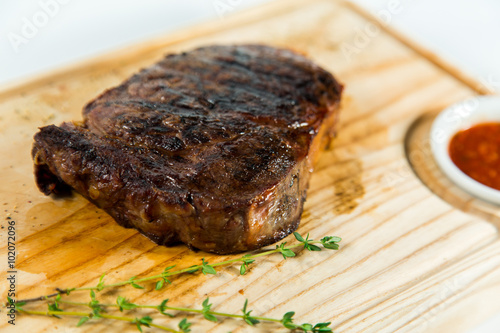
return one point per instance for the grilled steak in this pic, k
(212, 147)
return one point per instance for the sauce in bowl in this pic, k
(465, 143)
(476, 152)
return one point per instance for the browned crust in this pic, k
(213, 147)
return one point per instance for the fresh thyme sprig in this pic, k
(97, 309)
(328, 242)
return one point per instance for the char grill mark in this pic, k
(201, 147)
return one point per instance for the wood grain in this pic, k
(410, 260)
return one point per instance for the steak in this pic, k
(213, 147)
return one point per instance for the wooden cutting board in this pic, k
(411, 260)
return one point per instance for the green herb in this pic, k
(307, 243)
(206, 268)
(246, 261)
(123, 304)
(206, 311)
(247, 317)
(184, 326)
(100, 285)
(144, 321)
(100, 310)
(329, 242)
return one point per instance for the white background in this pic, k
(463, 32)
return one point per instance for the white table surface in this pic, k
(463, 32)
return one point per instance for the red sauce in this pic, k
(476, 151)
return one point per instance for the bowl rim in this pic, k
(455, 118)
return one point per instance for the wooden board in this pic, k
(409, 262)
